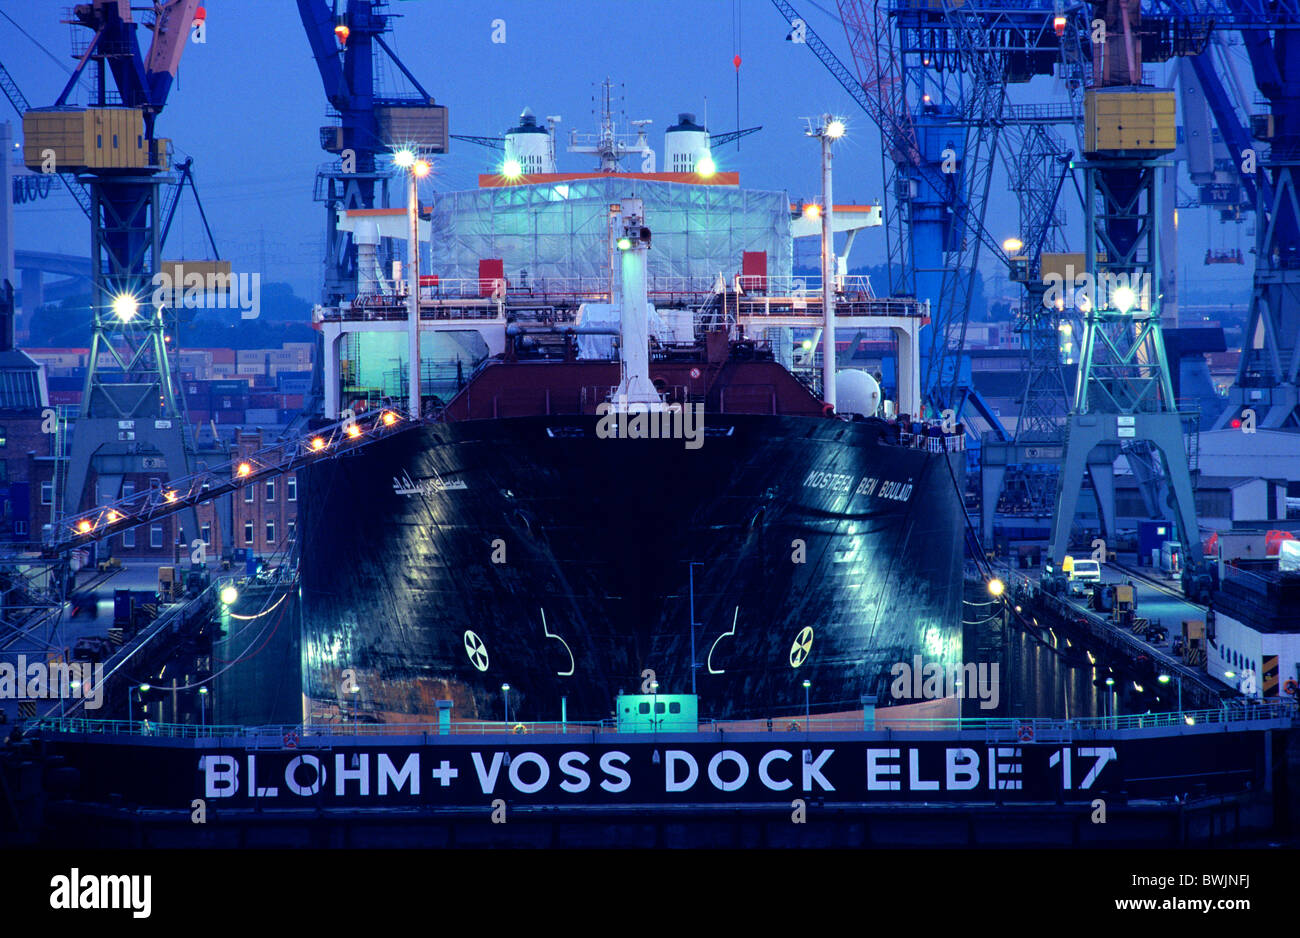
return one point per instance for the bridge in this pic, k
(33, 291)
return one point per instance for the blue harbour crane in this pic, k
(348, 45)
(132, 418)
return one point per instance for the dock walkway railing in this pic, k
(1235, 714)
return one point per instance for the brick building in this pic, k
(40, 395)
(260, 519)
(24, 409)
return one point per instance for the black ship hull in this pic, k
(451, 559)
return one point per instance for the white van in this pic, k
(1085, 573)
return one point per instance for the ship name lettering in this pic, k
(896, 491)
(836, 481)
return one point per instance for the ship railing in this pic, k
(290, 736)
(940, 441)
(1234, 714)
(850, 286)
(810, 307)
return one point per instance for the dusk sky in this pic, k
(249, 103)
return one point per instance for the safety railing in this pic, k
(482, 294)
(1239, 713)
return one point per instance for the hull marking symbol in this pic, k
(802, 646)
(550, 634)
(713, 670)
(477, 651)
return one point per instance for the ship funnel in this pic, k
(686, 145)
(530, 145)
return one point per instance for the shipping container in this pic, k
(230, 388)
(262, 416)
(1151, 534)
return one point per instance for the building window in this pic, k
(206, 532)
(128, 489)
(155, 535)
(248, 493)
(47, 493)
(292, 530)
(248, 532)
(270, 532)
(20, 528)
(270, 490)
(291, 488)
(128, 537)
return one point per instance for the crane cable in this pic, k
(55, 58)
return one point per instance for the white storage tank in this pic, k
(686, 146)
(856, 393)
(530, 145)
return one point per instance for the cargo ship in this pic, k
(636, 485)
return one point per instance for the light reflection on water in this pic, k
(1037, 681)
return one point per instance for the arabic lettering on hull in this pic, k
(408, 486)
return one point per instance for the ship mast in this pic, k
(634, 310)
(607, 143)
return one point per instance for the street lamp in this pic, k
(125, 306)
(654, 705)
(807, 707)
(996, 587)
(827, 131)
(1165, 679)
(203, 704)
(143, 688)
(690, 567)
(505, 702)
(416, 169)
